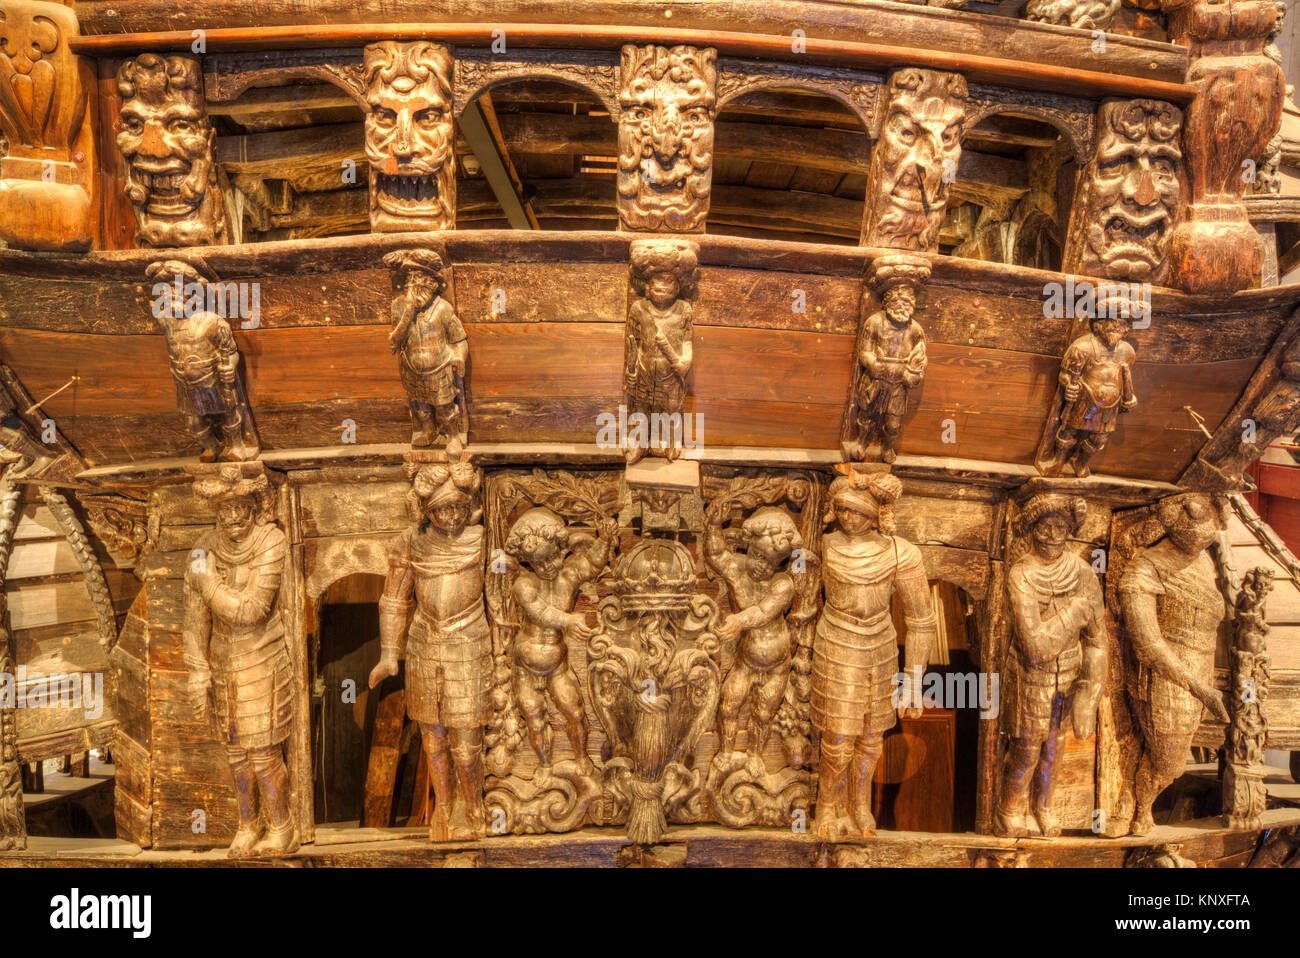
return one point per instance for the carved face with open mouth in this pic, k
(168, 144)
(1135, 185)
(410, 141)
(915, 160)
(665, 137)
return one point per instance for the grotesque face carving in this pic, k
(409, 137)
(915, 160)
(168, 144)
(665, 137)
(1133, 189)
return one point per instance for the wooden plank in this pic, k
(381, 771)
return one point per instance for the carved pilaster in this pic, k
(1244, 795)
(1236, 112)
(48, 189)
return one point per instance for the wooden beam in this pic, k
(482, 131)
(274, 154)
(281, 99)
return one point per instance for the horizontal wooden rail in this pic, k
(983, 69)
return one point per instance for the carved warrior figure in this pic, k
(433, 349)
(1096, 385)
(855, 652)
(1244, 794)
(205, 363)
(915, 161)
(1172, 608)
(410, 142)
(668, 102)
(439, 563)
(169, 143)
(48, 192)
(1129, 193)
(558, 561)
(659, 347)
(236, 651)
(1083, 14)
(891, 357)
(1057, 665)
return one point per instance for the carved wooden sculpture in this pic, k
(1096, 385)
(855, 654)
(121, 523)
(21, 453)
(410, 141)
(437, 566)
(204, 359)
(13, 823)
(1236, 112)
(659, 346)
(914, 163)
(236, 652)
(654, 684)
(49, 194)
(169, 146)
(432, 346)
(1129, 193)
(1172, 608)
(1084, 14)
(1055, 670)
(1244, 795)
(667, 102)
(891, 358)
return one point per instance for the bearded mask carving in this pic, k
(410, 141)
(668, 101)
(169, 144)
(1131, 191)
(915, 160)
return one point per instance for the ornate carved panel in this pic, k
(1074, 117)
(479, 70)
(858, 90)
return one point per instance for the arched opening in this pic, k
(789, 164)
(536, 154)
(1011, 200)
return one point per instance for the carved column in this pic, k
(410, 136)
(48, 198)
(914, 163)
(667, 107)
(1237, 110)
(1244, 795)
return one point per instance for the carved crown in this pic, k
(657, 575)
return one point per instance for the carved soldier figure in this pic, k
(204, 363)
(236, 651)
(169, 144)
(1129, 193)
(668, 101)
(915, 161)
(1057, 663)
(557, 563)
(439, 562)
(1096, 385)
(855, 652)
(1172, 609)
(410, 140)
(432, 346)
(891, 356)
(761, 593)
(659, 333)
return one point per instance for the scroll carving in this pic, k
(655, 683)
(1056, 668)
(1129, 193)
(169, 145)
(1171, 606)
(914, 162)
(667, 107)
(237, 654)
(1237, 110)
(1244, 795)
(1095, 386)
(891, 358)
(855, 652)
(205, 361)
(659, 345)
(432, 348)
(122, 524)
(410, 140)
(48, 192)
(435, 579)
